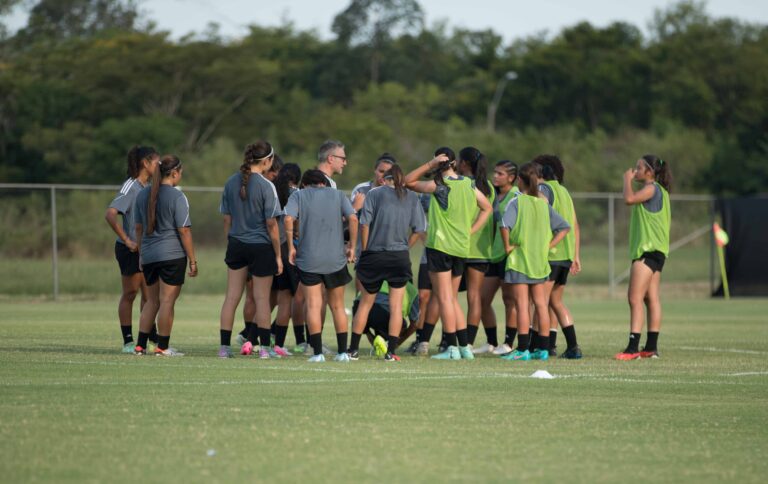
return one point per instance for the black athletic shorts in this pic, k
(654, 260)
(330, 281)
(559, 274)
(172, 272)
(289, 278)
(374, 268)
(424, 282)
(481, 266)
(497, 269)
(441, 262)
(127, 260)
(258, 258)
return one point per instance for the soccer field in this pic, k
(73, 409)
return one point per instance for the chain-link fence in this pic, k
(54, 240)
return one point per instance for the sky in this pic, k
(512, 19)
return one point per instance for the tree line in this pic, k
(84, 80)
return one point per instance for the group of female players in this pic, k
(291, 237)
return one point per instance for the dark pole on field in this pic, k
(54, 245)
(712, 250)
(611, 242)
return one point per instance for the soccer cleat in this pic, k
(391, 357)
(379, 346)
(450, 353)
(240, 339)
(412, 348)
(422, 349)
(354, 355)
(553, 352)
(572, 353)
(649, 354)
(280, 351)
(442, 346)
(540, 354)
(504, 349)
(316, 359)
(139, 351)
(264, 353)
(466, 352)
(625, 356)
(517, 355)
(128, 347)
(342, 358)
(300, 348)
(167, 352)
(225, 352)
(151, 346)
(486, 348)
(247, 348)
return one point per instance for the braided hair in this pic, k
(167, 164)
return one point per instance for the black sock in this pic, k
(634, 342)
(450, 339)
(253, 334)
(354, 345)
(509, 335)
(523, 341)
(392, 342)
(163, 341)
(298, 333)
(306, 331)
(226, 337)
(444, 339)
(570, 336)
(533, 340)
(341, 342)
(426, 332)
(490, 336)
(552, 339)
(273, 326)
(246, 330)
(651, 341)
(143, 337)
(265, 336)
(419, 335)
(280, 333)
(543, 343)
(462, 337)
(471, 334)
(127, 336)
(316, 341)
(153, 334)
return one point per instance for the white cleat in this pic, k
(503, 349)
(486, 348)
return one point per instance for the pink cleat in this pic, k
(247, 348)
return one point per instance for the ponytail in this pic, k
(438, 173)
(529, 173)
(661, 171)
(398, 178)
(167, 164)
(135, 156)
(254, 153)
(478, 164)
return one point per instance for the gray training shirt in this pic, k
(321, 234)
(172, 213)
(123, 203)
(249, 216)
(391, 219)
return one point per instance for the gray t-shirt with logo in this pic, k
(123, 203)
(171, 214)
(319, 211)
(391, 219)
(249, 216)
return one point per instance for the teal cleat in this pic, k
(450, 353)
(128, 348)
(466, 352)
(517, 355)
(540, 354)
(380, 346)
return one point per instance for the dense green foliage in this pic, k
(86, 79)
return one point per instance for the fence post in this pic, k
(54, 245)
(611, 242)
(712, 255)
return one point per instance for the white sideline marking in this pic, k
(722, 350)
(746, 373)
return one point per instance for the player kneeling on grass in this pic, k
(165, 245)
(390, 223)
(648, 248)
(528, 226)
(320, 254)
(377, 327)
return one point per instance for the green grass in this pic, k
(74, 410)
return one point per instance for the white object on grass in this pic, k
(542, 374)
(211, 452)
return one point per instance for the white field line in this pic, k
(746, 373)
(722, 350)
